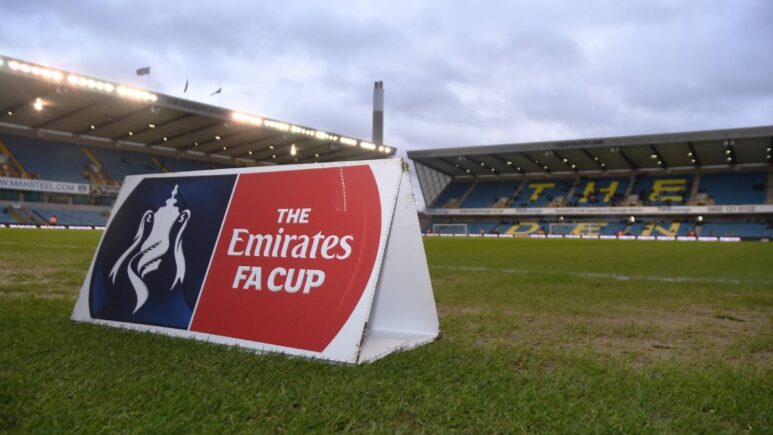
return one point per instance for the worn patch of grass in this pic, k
(538, 335)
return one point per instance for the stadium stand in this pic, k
(682, 185)
(734, 188)
(6, 218)
(661, 190)
(599, 192)
(95, 132)
(453, 194)
(745, 230)
(524, 228)
(119, 164)
(544, 193)
(490, 194)
(47, 159)
(661, 228)
(73, 217)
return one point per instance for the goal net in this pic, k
(450, 229)
(568, 229)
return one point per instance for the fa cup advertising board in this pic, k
(322, 261)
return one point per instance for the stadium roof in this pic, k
(712, 148)
(53, 102)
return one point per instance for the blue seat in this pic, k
(539, 193)
(735, 188)
(73, 217)
(751, 230)
(119, 164)
(597, 197)
(484, 194)
(673, 189)
(455, 189)
(5, 218)
(49, 160)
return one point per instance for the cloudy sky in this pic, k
(455, 73)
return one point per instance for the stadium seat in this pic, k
(750, 230)
(119, 164)
(599, 192)
(663, 190)
(525, 228)
(540, 193)
(73, 217)
(485, 194)
(49, 160)
(6, 218)
(735, 188)
(452, 194)
(661, 228)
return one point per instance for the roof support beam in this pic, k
(307, 153)
(478, 165)
(147, 128)
(695, 158)
(16, 107)
(460, 165)
(194, 131)
(250, 145)
(125, 117)
(71, 113)
(431, 163)
(278, 148)
(596, 160)
(544, 167)
(507, 164)
(660, 160)
(627, 159)
(566, 161)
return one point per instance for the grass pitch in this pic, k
(538, 335)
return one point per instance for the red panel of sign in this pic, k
(294, 256)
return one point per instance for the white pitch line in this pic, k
(602, 275)
(48, 245)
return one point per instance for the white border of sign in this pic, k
(396, 310)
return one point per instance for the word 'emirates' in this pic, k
(281, 245)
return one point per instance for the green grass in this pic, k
(537, 336)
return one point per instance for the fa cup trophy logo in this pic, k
(157, 245)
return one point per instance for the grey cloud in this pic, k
(456, 73)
